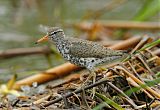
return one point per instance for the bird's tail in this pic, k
(126, 51)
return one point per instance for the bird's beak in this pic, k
(45, 38)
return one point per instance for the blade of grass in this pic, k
(149, 83)
(150, 45)
(150, 8)
(100, 106)
(109, 101)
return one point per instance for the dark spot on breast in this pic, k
(81, 61)
(92, 61)
(63, 45)
(84, 62)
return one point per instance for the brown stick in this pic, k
(127, 43)
(66, 68)
(24, 51)
(133, 83)
(120, 24)
(157, 52)
(47, 75)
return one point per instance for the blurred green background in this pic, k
(22, 21)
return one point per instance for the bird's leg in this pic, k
(92, 74)
(82, 76)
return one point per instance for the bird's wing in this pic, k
(85, 49)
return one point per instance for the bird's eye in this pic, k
(52, 33)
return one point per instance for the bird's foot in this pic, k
(87, 77)
(94, 88)
(84, 78)
(91, 76)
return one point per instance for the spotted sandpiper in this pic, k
(81, 52)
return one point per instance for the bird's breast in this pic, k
(63, 50)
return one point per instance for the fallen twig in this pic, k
(133, 83)
(122, 67)
(157, 52)
(76, 91)
(141, 43)
(152, 105)
(68, 79)
(41, 100)
(144, 63)
(130, 101)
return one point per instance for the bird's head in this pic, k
(52, 34)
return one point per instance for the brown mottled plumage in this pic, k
(82, 52)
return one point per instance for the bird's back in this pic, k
(89, 49)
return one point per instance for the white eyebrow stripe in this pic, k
(54, 32)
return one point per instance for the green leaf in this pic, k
(11, 82)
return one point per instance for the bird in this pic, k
(83, 53)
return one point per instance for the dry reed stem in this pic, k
(47, 75)
(141, 43)
(119, 24)
(157, 52)
(155, 104)
(133, 83)
(138, 81)
(42, 100)
(24, 51)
